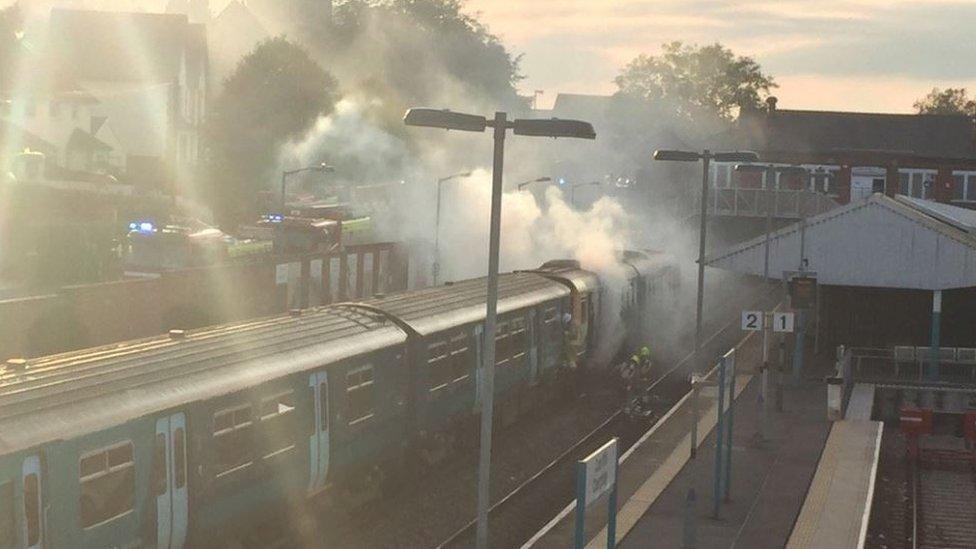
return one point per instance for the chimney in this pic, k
(771, 104)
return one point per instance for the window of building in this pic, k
(964, 186)
(108, 484)
(359, 394)
(32, 508)
(232, 440)
(277, 424)
(904, 182)
(8, 525)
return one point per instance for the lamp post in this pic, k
(323, 168)
(706, 157)
(524, 184)
(448, 120)
(766, 171)
(436, 268)
(572, 191)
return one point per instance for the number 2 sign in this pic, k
(752, 321)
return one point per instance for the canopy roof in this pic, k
(878, 242)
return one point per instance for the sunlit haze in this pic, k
(869, 55)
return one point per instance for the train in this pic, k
(192, 438)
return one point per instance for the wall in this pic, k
(97, 314)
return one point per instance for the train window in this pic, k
(179, 455)
(584, 310)
(159, 464)
(517, 342)
(460, 353)
(8, 532)
(108, 483)
(359, 394)
(277, 417)
(324, 405)
(232, 440)
(440, 368)
(501, 344)
(32, 504)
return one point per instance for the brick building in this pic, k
(924, 156)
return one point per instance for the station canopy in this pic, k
(900, 242)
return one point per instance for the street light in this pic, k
(437, 223)
(572, 191)
(323, 168)
(766, 170)
(706, 157)
(432, 118)
(523, 184)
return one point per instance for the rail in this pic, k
(786, 203)
(908, 362)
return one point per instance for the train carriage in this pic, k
(193, 437)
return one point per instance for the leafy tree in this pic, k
(947, 101)
(421, 51)
(275, 94)
(696, 80)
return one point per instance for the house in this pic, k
(923, 156)
(149, 73)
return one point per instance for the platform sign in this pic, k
(783, 322)
(596, 474)
(803, 292)
(752, 321)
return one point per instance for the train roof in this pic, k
(62, 396)
(569, 273)
(450, 305)
(647, 262)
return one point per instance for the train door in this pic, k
(32, 527)
(169, 482)
(319, 441)
(532, 330)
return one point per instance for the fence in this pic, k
(786, 203)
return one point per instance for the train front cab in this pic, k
(585, 303)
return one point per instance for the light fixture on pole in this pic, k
(432, 118)
(706, 157)
(770, 204)
(436, 268)
(323, 168)
(572, 191)
(524, 184)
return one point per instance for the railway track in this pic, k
(519, 514)
(942, 502)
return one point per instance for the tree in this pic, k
(421, 51)
(947, 101)
(696, 80)
(276, 93)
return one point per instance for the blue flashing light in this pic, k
(146, 227)
(273, 218)
(562, 180)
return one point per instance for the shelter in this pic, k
(887, 269)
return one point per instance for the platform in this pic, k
(838, 504)
(769, 479)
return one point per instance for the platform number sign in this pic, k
(783, 322)
(752, 321)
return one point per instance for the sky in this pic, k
(856, 55)
(859, 55)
